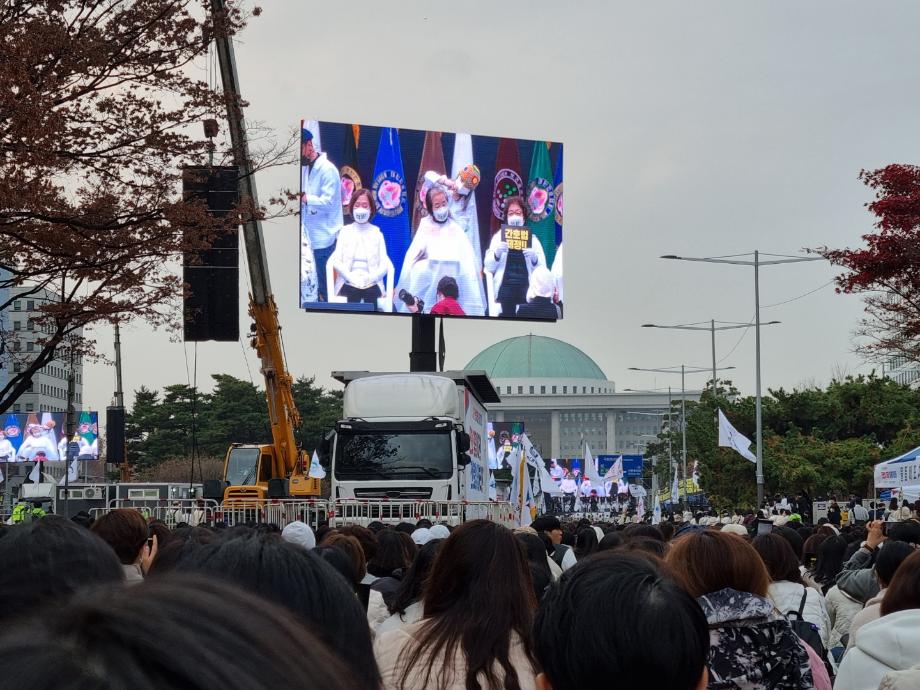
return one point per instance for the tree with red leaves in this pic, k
(100, 106)
(887, 270)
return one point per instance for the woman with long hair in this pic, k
(829, 563)
(478, 617)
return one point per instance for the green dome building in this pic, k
(564, 399)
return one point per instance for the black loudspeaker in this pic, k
(115, 434)
(212, 490)
(277, 488)
(211, 304)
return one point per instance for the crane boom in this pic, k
(286, 459)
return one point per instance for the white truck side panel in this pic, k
(475, 486)
(402, 395)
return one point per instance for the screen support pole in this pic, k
(423, 356)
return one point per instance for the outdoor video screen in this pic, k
(404, 221)
(42, 436)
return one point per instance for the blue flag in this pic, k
(389, 188)
(12, 428)
(557, 181)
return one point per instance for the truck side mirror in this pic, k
(463, 445)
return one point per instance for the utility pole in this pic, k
(120, 406)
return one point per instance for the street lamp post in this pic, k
(712, 328)
(683, 405)
(756, 263)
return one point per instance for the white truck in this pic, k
(412, 445)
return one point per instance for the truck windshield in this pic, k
(242, 466)
(393, 455)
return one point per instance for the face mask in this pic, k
(361, 215)
(440, 214)
(516, 221)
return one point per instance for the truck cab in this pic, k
(411, 438)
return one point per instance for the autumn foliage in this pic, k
(101, 103)
(887, 269)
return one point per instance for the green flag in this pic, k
(541, 197)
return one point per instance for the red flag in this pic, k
(507, 183)
(432, 159)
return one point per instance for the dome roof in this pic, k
(535, 356)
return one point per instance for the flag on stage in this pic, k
(557, 180)
(13, 433)
(615, 473)
(675, 486)
(432, 161)
(507, 182)
(493, 487)
(640, 508)
(390, 195)
(548, 484)
(316, 469)
(351, 178)
(36, 473)
(729, 437)
(464, 210)
(541, 200)
(522, 498)
(591, 468)
(656, 510)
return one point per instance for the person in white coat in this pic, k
(7, 452)
(440, 248)
(511, 268)
(787, 591)
(841, 607)
(37, 439)
(360, 256)
(320, 207)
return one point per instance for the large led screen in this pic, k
(404, 221)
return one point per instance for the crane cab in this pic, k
(248, 475)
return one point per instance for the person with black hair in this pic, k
(45, 562)
(218, 636)
(406, 606)
(535, 553)
(640, 650)
(477, 629)
(447, 294)
(395, 553)
(562, 554)
(286, 574)
(585, 542)
(611, 541)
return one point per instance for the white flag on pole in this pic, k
(656, 511)
(640, 508)
(1, 475)
(675, 486)
(591, 468)
(316, 470)
(522, 498)
(73, 473)
(548, 484)
(35, 476)
(729, 437)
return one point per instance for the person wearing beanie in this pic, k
(300, 534)
(439, 532)
(540, 303)
(422, 536)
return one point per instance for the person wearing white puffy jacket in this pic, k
(787, 589)
(892, 642)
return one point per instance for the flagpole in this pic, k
(683, 430)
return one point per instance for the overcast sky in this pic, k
(702, 129)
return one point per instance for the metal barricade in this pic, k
(363, 512)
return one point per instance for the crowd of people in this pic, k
(443, 270)
(123, 601)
